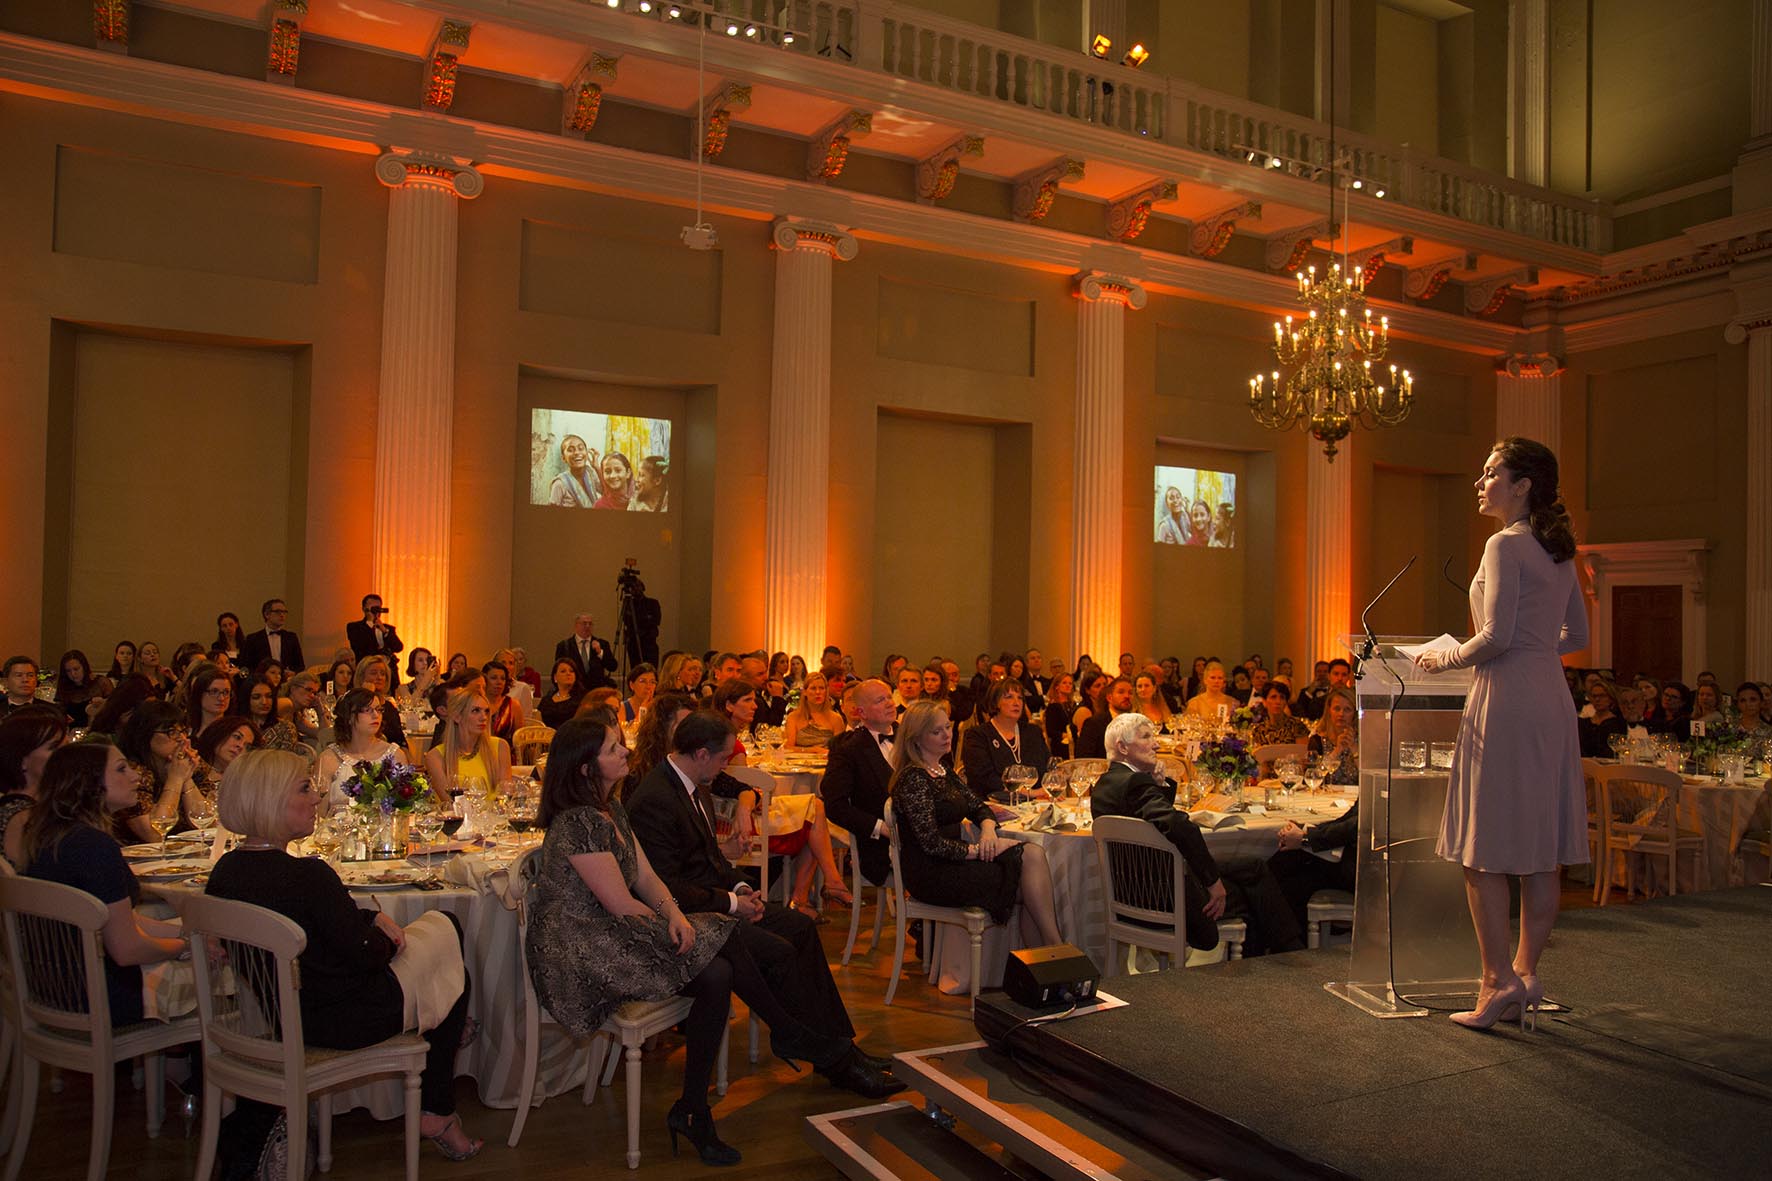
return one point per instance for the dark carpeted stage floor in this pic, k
(1661, 1067)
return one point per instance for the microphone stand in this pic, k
(1370, 647)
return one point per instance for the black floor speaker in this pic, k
(1046, 977)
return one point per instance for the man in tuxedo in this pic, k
(857, 772)
(1092, 738)
(1132, 786)
(673, 821)
(592, 656)
(273, 641)
(1301, 870)
(369, 636)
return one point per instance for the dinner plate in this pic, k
(381, 879)
(150, 852)
(176, 872)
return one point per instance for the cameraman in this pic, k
(370, 636)
(592, 655)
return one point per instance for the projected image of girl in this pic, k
(1199, 519)
(577, 486)
(618, 481)
(1224, 528)
(1171, 526)
(650, 493)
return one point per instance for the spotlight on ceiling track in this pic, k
(732, 30)
(750, 30)
(787, 38)
(1136, 56)
(1379, 193)
(1100, 46)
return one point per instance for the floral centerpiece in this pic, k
(1227, 759)
(1246, 716)
(387, 792)
(1719, 740)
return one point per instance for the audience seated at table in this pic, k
(1707, 704)
(466, 748)
(1213, 700)
(76, 690)
(27, 738)
(1602, 720)
(505, 716)
(604, 930)
(1091, 736)
(1673, 714)
(1336, 737)
(259, 703)
(364, 978)
(166, 765)
(1133, 786)
(558, 706)
(652, 740)
(225, 740)
(941, 867)
(1277, 725)
(1148, 699)
(1752, 714)
(858, 772)
(1300, 870)
(642, 685)
(208, 694)
(671, 814)
(813, 723)
(1060, 738)
(67, 839)
(1002, 738)
(356, 739)
(1631, 708)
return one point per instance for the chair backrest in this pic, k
(892, 845)
(1143, 883)
(253, 1010)
(1641, 799)
(56, 952)
(755, 778)
(1271, 752)
(528, 741)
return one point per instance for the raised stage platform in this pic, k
(1660, 1067)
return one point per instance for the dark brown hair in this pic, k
(567, 784)
(1529, 459)
(71, 794)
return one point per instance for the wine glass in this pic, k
(1018, 778)
(428, 820)
(1315, 772)
(326, 837)
(163, 823)
(1289, 771)
(452, 818)
(201, 813)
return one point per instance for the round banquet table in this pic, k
(480, 892)
(1076, 885)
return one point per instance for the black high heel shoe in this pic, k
(800, 1044)
(697, 1123)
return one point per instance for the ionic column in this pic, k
(797, 524)
(1757, 659)
(1328, 553)
(409, 564)
(1098, 480)
(1528, 98)
(1528, 398)
(1759, 123)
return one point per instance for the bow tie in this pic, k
(884, 738)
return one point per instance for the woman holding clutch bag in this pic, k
(1515, 805)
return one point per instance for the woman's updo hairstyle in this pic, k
(1529, 459)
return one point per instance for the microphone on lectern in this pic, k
(1371, 645)
(1446, 573)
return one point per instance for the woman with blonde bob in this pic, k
(364, 977)
(468, 750)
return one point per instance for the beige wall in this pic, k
(1406, 97)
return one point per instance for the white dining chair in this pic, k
(1143, 887)
(1326, 906)
(972, 919)
(858, 884)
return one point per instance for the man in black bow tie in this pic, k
(857, 773)
(273, 641)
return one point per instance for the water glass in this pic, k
(1412, 756)
(1440, 755)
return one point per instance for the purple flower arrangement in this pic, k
(1225, 758)
(387, 785)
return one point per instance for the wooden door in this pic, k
(1646, 632)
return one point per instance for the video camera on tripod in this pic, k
(638, 616)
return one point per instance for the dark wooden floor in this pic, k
(762, 1114)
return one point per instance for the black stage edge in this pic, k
(1661, 1067)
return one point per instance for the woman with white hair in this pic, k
(1133, 786)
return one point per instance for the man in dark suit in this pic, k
(273, 641)
(1132, 786)
(671, 817)
(1091, 739)
(593, 657)
(857, 773)
(1300, 869)
(369, 636)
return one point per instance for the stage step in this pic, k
(975, 1084)
(898, 1140)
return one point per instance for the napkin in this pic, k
(1210, 820)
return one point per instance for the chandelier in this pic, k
(1331, 354)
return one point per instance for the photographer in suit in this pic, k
(369, 636)
(592, 656)
(856, 775)
(1132, 786)
(673, 822)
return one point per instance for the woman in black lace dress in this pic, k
(929, 803)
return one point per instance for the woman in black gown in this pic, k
(929, 805)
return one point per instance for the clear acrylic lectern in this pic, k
(1413, 941)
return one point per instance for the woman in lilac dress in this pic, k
(1515, 804)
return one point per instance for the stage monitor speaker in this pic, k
(1044, 977)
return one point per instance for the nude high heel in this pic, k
(1504, 1004)
(1534, 998)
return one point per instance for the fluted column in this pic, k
(1528, 398)
(1528, 73)
(1098, 480)
(409, 564)
(1757, 659)
(1328, 553)
(1759, 123)
(797, 525)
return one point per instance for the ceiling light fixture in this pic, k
(1136, 56)
(1100, 46)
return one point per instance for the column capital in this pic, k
(794, 233)
(400, 166)
(1531, 365)
(1095, 286)
(1742, 327)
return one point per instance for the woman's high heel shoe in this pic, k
(1503, 1004)
(450, 1151)
(1534, 998)
(697, 1123)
